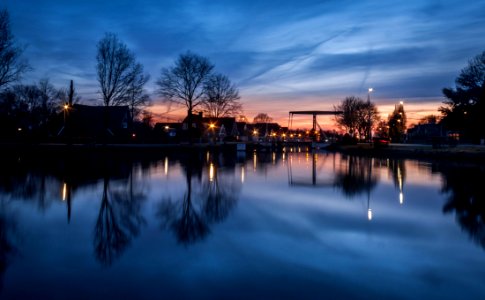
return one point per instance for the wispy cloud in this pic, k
(272, 49)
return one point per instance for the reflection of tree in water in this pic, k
(183, 217)
(206, 201)
(7, 238)
(356, 176)
(219, 198)
(466, 198)
(119, 221)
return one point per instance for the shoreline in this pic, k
(459, 153)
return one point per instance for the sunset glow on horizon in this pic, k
(281, 57)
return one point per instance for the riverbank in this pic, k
(459, 153)
(469, 153)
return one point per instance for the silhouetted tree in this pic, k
(138, 99)
(429, 119)
(118, 73)
(183, 83)
(465, 106)
(368, 116)
(11, 65)
(382, 128)
(221, 97)
(349, 119)
(397, 123)
(357, 117)
(262, 118)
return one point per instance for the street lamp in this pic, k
(66, 107)
(370, 90)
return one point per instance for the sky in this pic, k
(283, 55)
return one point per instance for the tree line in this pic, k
(37, 107)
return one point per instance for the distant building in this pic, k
(425, 133)
(87, 123)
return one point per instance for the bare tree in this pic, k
(262, 118)
(368, 116)
(11, 64)
(221, 97)
(183, 83)
(138, 99)
(114, 66)
(349, 117)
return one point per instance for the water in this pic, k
(224, 225)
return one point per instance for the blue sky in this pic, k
(283, 55)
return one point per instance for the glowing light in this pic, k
(64, 192)
(211, 172)
(401, 102)
(66, 106)
(401, 198)
(369, 214)
(166, 127)
(255, 132)
(19, 129)
(133, 135)
(166, 166)
(212, 126)
(371, 90)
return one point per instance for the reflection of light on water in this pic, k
(64, 192)
(242, 174)
(255, 161)
(274, 158)
(166, 165)
(283, 157)
(207, 156)
(400, 183)
(369, 214)
(211, 172)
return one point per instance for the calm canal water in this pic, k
(250, 226)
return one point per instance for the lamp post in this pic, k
(370, 90)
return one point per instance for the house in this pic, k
(425, 133)
(167, 132)
(221, 128)
(90, 123)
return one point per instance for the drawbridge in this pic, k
(314, 114)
